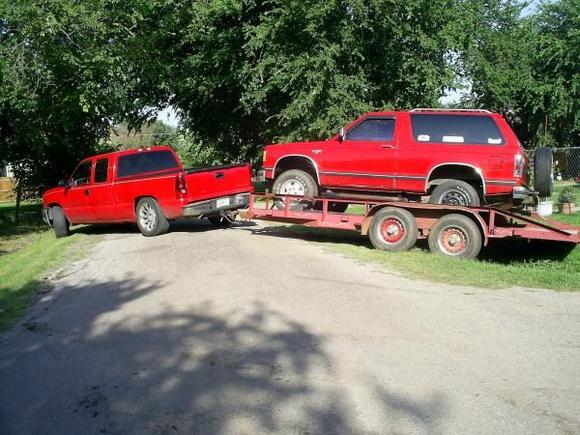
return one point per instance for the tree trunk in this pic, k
(18, 200)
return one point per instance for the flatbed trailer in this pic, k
(395, 226)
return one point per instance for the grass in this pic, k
(27, 252)
(503, 264)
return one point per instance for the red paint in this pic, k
(403, 164)
(114, 199)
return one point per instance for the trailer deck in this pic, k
(395, 226)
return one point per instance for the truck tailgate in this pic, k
(213, 182)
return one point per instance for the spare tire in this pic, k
(543, 164)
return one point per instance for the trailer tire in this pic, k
(393, 229)
(455, 192)
(60, 223)
(455, 235)
(150, 218)
(543, 165)
(299, 182)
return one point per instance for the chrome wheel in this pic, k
(292, 187)
(147, 217)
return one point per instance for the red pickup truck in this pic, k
(458, 157)
(146, 186)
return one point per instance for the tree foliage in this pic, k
(242, 73)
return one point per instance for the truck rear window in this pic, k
(467, 129)
(147, 161)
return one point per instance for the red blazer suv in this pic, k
(458, 157)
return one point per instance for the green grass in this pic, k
(27, 252)
(503, 264)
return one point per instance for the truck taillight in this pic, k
(180, 184)
(519, 165)
(264, 157)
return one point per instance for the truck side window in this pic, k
(101, 169)
(464, 129)
(148, 161)
(82, 175)
(380, 129)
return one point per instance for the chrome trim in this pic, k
(428, 109)
(504, 182)
(477, 170)
(297, 155)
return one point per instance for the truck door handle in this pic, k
(388, 146)
(87, 192)
(219, 175)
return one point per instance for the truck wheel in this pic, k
(543, 163)
(60, 224)
(393, 229)
(455, 235)
(150, 218)
(455, 192)
(295, 182)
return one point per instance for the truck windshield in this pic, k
(147, 161)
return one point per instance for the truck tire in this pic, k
(295, 182)
(543, 165)
(393, 229)
(150, 219)
(455, 192)
(60, 224)
(455, 235)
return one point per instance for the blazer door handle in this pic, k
(219, 175)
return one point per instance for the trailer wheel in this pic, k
(455, 235)
(60, 223)
(295, 182)
(543, 163)
(393, 229)
(150, 219)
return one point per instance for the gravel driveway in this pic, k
(241, 331)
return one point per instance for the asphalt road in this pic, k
(242, 331)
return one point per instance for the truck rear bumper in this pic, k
(522, 193)
(216, 205)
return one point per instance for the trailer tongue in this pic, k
(395, 226)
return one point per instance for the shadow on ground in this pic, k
(500, 251)
(178, 226)
(97, 358)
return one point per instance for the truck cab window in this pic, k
(373, 129)
(101, 169)
(82, 175)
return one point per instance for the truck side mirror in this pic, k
(341, 135)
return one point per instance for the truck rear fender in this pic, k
(454, 171)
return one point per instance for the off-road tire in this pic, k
(455, 235)
(393, 229)
(159, 225)
(60, 223)
(543, 166)
(308, 184)
(455, 192)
